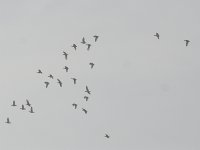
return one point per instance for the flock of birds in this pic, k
(66, 68)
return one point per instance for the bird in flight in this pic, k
(22, 108)
(88, 46)
(31, 111)
(66, 68)
(187, 42)
(8, 121)
(39, 71)
(27, 103)
(46, 84)
(87, 90)
(13, 104)
(107, 136)
(74, 79)
(50, 76)
(83, 41)
(65, 54)
(86, 98)
(74, 46)
(84, 110)
(96, 37)
(59, 82)
(157, 35)
(75, 105)
(91, 65)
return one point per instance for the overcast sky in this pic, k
(145, 91)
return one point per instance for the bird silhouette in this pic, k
(31, 111)
(107, 136)
(50, 76)
(87, 90)
(83, 41)
(74, 79)
(59, 82)
(8, 121)
(13, 104)
(66, 68)
(39, 71)
(75, 105)
(91, 65)
(96, 37)
(65, 54)
(86, 98)
(27, 103)
(46, 84)
(84, 110)
(22, 108)
(88, 46)
(74, 46)
(157, 35)
(186, 42)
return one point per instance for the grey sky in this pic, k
(145, 92)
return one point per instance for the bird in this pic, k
(13, 104)
(84, 110)
(8, 121)
(66, 68)
(86, 98)
(59, 82)
(47, 84)
(27, 103)
(31, 111)
(83, 41)
(50, 76)
(75, 105)
(39, 71)
(88, 46)
(107, 136)
(91, 65)
(74, 46)
(157, 35)
(187, 42)
(23, 108)
(74, 79)
(96, 37)
(65, 54)
(87, 90)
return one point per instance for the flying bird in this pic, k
(157, 35)
(88, 46)
(46, 84)
(8, 121)
(50, 76)
(187, 42)
(59, 82)
(91, 65)
(66, 68)
(86, 98)
(107, 136)
(13, 104)
(27, 103)
(23, 108)
(74, 46)
(96, 37)
(75, 105)
(87, 90)
(39, 71)
(74, 79)
(65, 54)
(83, 41)
(31, 111)
(84, 110)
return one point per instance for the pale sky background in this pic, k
(145, 92)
